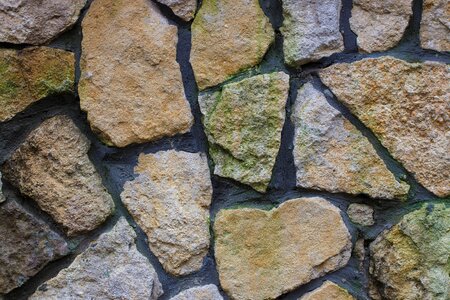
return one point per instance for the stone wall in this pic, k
(226, 149)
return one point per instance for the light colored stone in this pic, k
(31, 74)
(328, 291)
(406, 106)
(228, 36)
(110, 268)
(435, 25)
(206, 292)
(361, 214)
(52, 167)
(264, 254)
(331, 154)
(410, 261)
(36, 22)
(131, 86)
(243, 123)
(2, 197)
(26, 245)
(170, 201)
(379, 25)
(311, 30)
(184, 9)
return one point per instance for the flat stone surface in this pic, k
(170, 201)
(380, 25)
(185, 9)
(331, 154)
(311, 30)
(36, 22)
(129, 56)
(328, 291)
(435, 26)
(410, 260)
(27, 245)
(206, 292)
(228, 36)
(406, 107)
(110, 268)
(361, 214)
(264, 254)
(243, 123)
(31, 74)
(52, 167)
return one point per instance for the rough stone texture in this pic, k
(52, 168)
(206, 292)
(110, 268)
(2, 197)
(129, 56)
(328, 291)
(170, 201)
(379, 25)
(331, 154)
(185, 9)
(360, 214)
(435, 25)
(410, 261)
(263, 254)
(31, 74)
(243, 123)
(36, 22)
(27, 245)
(311, 30)
(228, 36)
(406, 106)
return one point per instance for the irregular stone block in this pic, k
(185, 9)
(264, 254)
(328, 291)
(206, 292)
(435, 26)
(360, 214)
(131, 85)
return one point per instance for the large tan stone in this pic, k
(435, 25)
(328, 291)
(52, 167)
(406, 107)
(184, 9)
(131, 86)
(228, 36)
(264, 254)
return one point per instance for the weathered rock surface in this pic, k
(410, 261)
(243, 123)
(406, 106)
(206, 292)
(264, 254)
(379, 25)
(361, 214)
(228, 36)
(435, 25)
(2, 197)
(27, 245)
(184, 9)
(170, 201)
(52, 167)
(129, 57)
(110, 268)
(328, 291)
(331, 154)
(31, 74)
(311, 30)
(37, 22)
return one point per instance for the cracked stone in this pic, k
(206, 292)
(435, 25)
(327, 291)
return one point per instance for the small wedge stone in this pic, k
(328, 291)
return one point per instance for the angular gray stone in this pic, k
(206, 292)
(110, 268)
(435, 25)
(184, 9)
(360, 214)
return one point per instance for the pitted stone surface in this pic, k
(243, 123)
(435, 25)
(131, 86)
(110, 268)
(228, 36)
(328, 291)
(206, 292)
(170, 200)
(184, 9)
(406, 107)
(361, 214)
(52, 167)
(264, 254)
(311, 30)
(31, 74)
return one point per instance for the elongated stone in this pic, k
(2, 197)
(206, 292)
(170, 201)
(184, 9)
(228, 36)
(331, 154)
(28, 75)
(328, 291)
(243, 123)
(131, 85)
(435, 26)
(264, 254)
(406, 107)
